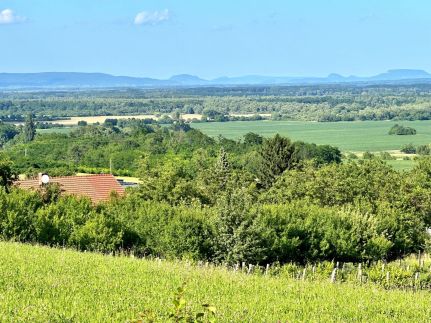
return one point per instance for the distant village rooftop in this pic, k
(97, 187)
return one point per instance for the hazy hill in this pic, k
(100, 80)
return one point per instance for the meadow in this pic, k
(40, 284)
(355, 136)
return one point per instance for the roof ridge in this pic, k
(96, 186)
(67, 176)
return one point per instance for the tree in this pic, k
(252, 139)
(423, 150)
(327, 154)
(401, 130)
(238, 237)
(29, 129)
(276, 156)
(176, 115)
(222, 170)
(408, 149)
(7, 133)
(7, 174)
(110, 122)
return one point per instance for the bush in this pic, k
(401, 130)
(386, 156)
(408, 149)
(352, 156)
(368, 155)
(423, 150)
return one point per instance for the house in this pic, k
(97, 187)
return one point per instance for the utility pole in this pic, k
(110, 166)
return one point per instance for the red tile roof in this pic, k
(97, 187)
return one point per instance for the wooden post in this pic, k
(304, 273)
(360, 273)
(334, 275)
(267, 269)
(387, 278)
(250, 267)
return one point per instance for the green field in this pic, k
(64, 130)
(348, 136)
(38, 284)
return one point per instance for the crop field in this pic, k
(39, 284)
(354, 136)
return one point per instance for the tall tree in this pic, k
(237, 235)
(29, 129)
(277, 155)
(222, 169)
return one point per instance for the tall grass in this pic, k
(39, 284)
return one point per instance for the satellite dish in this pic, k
(44, 179)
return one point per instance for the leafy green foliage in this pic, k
(7, 172)
(29, 129)
(277, 156)
(218, 199)
(7, 133)
(401, 130)
(323, 103)
(408, 149)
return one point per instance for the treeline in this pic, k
(256, 200)
(122, 145)
(323, 103)
(345, 212)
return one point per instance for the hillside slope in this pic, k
(40, 284)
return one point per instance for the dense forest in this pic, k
(255, 200)
(313, 103)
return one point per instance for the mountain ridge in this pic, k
(100, 80)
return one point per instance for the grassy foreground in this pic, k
(39, 284)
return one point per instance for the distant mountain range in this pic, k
(100, 80)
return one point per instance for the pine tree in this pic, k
(277, 155)
(29, 129)
(222, 169)
(238, 237)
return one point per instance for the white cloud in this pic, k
(7, 16)
(152, 17)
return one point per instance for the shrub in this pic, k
(368, 155)
(401, 130)
(408, 149)
(386, 156)
(423, 150)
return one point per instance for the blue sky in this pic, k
(159, 38)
